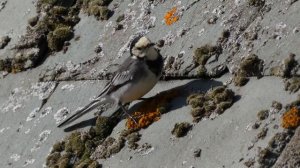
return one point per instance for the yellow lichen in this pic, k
(291, 118)
(171, 16)
(151, 110)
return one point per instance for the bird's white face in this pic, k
(144, 49)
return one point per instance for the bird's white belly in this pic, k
(138, 90)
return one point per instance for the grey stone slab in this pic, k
(223, 140)
(290, 156)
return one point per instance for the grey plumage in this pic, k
(135, 77)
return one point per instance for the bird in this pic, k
(135, 77)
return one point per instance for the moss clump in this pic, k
(195, 100)
(58, 146)
(132, 139)
(98, 8)
(88, 163)
(266, 157)
(104, 126)
(4, 41)
(6, 65)
(181, 129)
(76, 149)
(57, 38)
(107, 148)
(101, 12)
(201, 71)
(250, 162)
(263, 114)
(53, 158)
(287, 68)
(249, 66)
(198, 112)
(202, 54)
(48, 32)
(15, 64)
(278, 141)
(74, 144)
(277, 105)
(215, 100)
(256, 3)
(262, 134)
(292, 85)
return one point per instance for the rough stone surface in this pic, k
(290, 157)
(32, 102)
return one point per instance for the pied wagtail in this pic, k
(135, 77)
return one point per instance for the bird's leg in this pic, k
(125, 111)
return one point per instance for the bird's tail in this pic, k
(94, 104)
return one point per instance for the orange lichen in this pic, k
(171, 16)
(291, 118)
(150, 110)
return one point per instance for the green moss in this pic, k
(83, 164)
(251, 66)
(277, 71)
(100, 12)
(240, 80)
(286, 67)
(4, 41)
(94, 164)
(74, 144)
(201, 71)
(224, 105)
(59, 10)
(97, 8)
(209, 106)
(262, 134)
(277, 105)
(202, 54)
(195, 100)
(132, 139)
(292, 85)
(58, 146)
(263, 114)
(181, 129)
(104, 126)
(64, 162)
(57, 38)
(198, 112)
(216, 100)
(52, 159)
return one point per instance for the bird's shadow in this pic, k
(198, 86)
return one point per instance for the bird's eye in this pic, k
(139, 48)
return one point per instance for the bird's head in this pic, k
(142, 47)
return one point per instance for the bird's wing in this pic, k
(125, 74)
